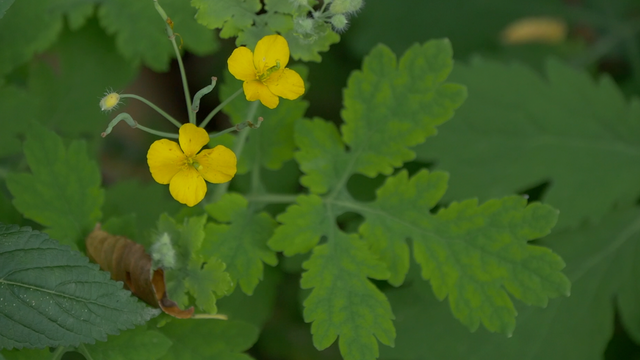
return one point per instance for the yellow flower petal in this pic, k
(188, 186)
(217, 165)
(192, 139)
(285, 83)
(270, 49)
(165, 159)
(255, 90)
(241, 64)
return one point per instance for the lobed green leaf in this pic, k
(52, 296)
(134, 344)
(63, 190)
(204, 277)
(241, 243)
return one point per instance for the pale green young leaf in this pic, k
(239, 239)
(52, 296)
(140, 31)
(63, 191)
(521, 129)
(305, 50)
(204, 277)
(231, 17)
(601, 264)
(272, 144)
(134, 344)
(343, 301)
(220, 340)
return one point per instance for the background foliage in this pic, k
(558, 122)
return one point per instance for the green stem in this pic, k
(158, 133)
(237, 127)
(57, 354)
(134, 124)
(219, 107)
(83, 350)
(172, 37)
(154, 107)
(237, 149)
(272, 198)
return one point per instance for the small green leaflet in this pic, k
(134, 344)
(220, 340)
(241, 243)
(52, 296)
(204, 277)
(519, 130)
(474, 254)
(140, 31)
(63, 190)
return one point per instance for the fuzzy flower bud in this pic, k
(110, 101)
(339, 22)
(345, 6)
(303, 25)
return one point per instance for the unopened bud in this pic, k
(339, 22)
(345, 6)
(109, 101)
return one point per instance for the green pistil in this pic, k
(265, 75)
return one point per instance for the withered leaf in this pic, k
(128, 262)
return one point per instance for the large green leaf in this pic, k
(602, 266)
(65, 98)
(140, 31)
(220, 340)
(51, 295)
(519, 129)
(382, 102)
(63, 190)
(134, 344)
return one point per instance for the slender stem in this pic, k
(57, 354)
(185, 85)
(172, 37)
(83, 350)
(220, 133)
(154, 107)
(237, 149)
(159, 133)
(219, 107)
(272, 198)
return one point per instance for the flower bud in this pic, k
(345, 6)
(110, 101)
(339, 22)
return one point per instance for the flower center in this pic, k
(265, 75)
(194, 163)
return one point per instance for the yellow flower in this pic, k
(264, 72)
(184, 169)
